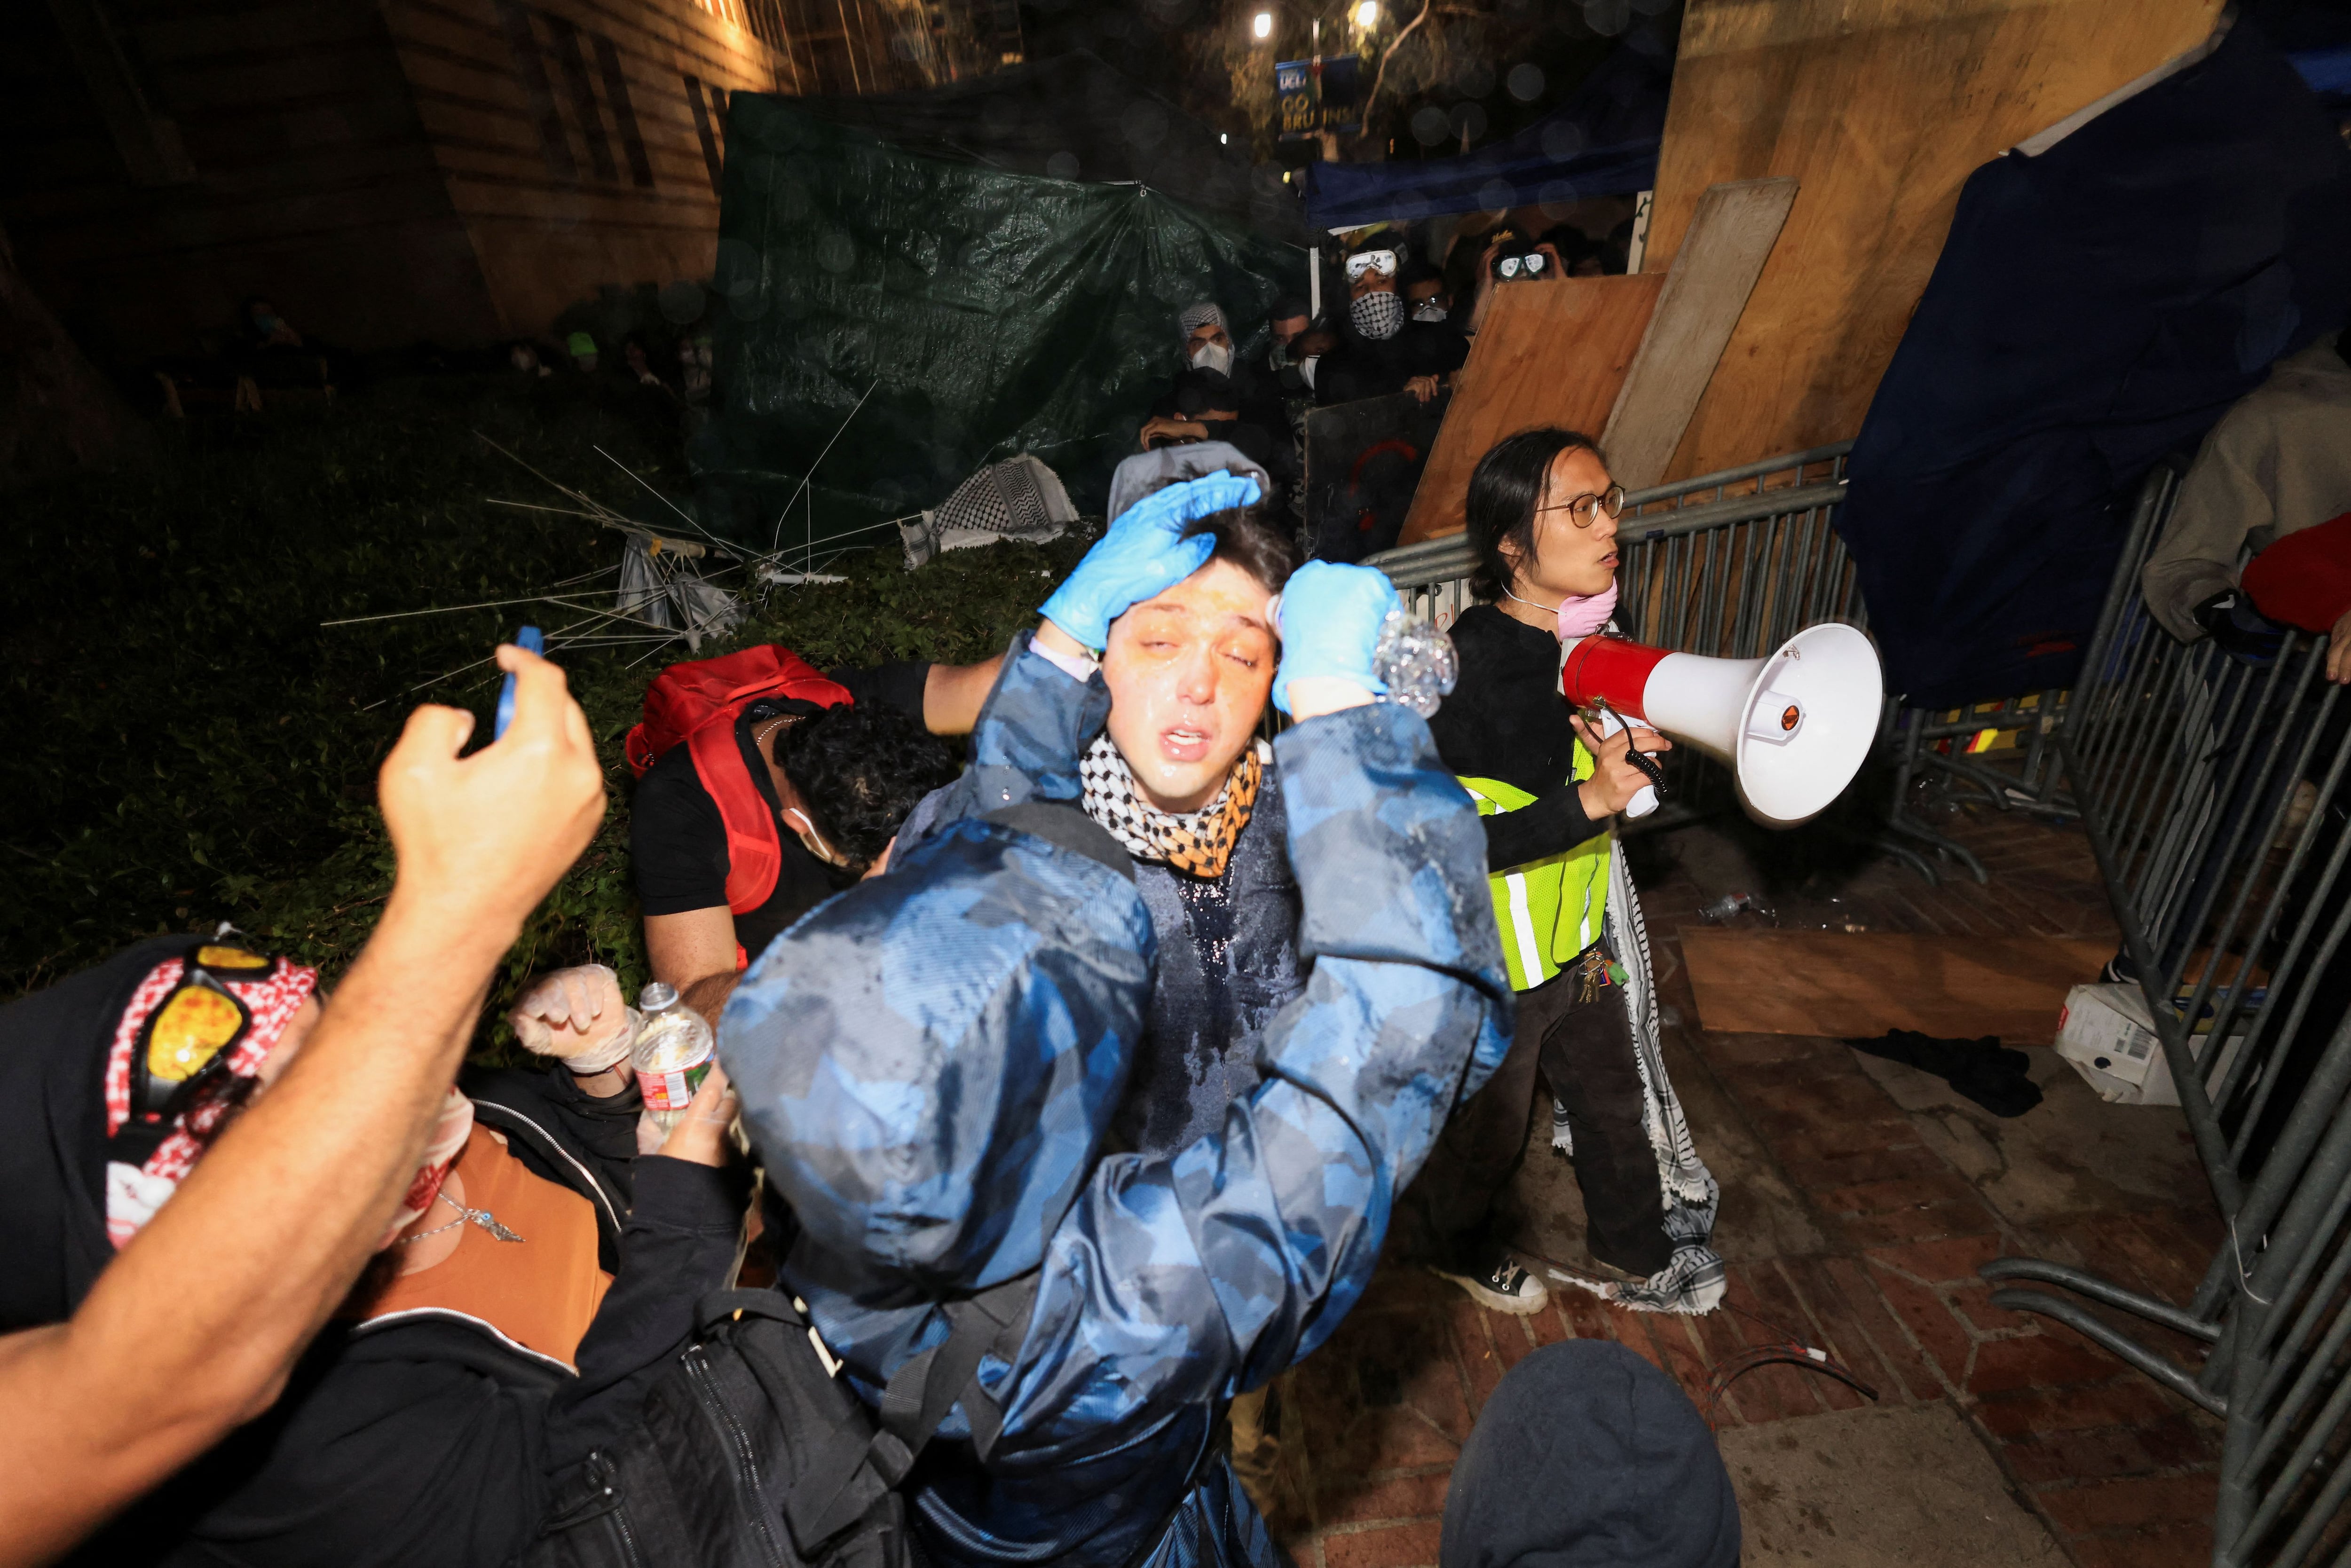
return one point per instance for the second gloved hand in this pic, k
(1329, 618)
(1143, 555)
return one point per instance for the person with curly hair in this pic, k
(837, 780)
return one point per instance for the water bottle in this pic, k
(1416, 662)
(674, 1054)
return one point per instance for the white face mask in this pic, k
(1306, 369)
(1215, 357)
(1429, 310)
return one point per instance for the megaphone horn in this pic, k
(1794, 727)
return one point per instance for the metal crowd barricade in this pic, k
(2212, 794)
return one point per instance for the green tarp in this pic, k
(978, 313)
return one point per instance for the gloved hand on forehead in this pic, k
(1329, 618)
(1143, 555)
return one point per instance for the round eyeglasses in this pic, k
(1586, 507)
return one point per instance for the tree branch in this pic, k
(1380, 76)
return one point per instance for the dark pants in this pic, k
(1585, 1049)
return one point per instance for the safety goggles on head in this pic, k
(1529, 265)
(1364, 261)
(1586, 507)
(183, 1048)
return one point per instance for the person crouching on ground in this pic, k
(1542, 514)
(943, 1140)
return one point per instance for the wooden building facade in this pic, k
(386, 172)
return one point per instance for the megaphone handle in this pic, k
(1650, 768)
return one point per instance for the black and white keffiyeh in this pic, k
(1692, 1281)
(1199, 843)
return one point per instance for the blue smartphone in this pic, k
(528, 638)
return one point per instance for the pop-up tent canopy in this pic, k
(1602, 141)
(1074, 117)
(2098, 305)
(923, 317)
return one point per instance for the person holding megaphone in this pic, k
(1549, 786)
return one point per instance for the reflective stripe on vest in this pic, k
(1550, 909)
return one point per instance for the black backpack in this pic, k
(753, 1454)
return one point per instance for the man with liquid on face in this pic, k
(1180, 778)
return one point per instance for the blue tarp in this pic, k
(1602, 141)
(2095, 308)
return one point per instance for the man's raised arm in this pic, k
(195, 1327)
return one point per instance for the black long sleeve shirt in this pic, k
(1506, 720)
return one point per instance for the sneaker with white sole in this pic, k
(1501, 1286)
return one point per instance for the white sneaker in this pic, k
(1505, 1287)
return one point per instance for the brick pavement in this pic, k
(1859, 1200)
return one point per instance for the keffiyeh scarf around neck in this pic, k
(1199, 843)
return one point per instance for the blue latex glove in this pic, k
(1330, 619)
(1143, 555)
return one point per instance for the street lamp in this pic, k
(1262, 25)
(1367, 14)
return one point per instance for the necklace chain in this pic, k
(481, 1216)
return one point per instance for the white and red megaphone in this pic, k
(1794, 728)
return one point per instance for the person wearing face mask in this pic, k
(1542, 513)
(1383, 350)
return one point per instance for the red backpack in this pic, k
(697, 704)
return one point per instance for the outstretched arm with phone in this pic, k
(195, 1325)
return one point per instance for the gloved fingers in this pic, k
(561, 1010)
(1178, 505)
(1329, 617)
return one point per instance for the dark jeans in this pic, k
(1585, 1049)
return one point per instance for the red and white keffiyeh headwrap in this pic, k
(134, 1193)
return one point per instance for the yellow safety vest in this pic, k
(1549, 910)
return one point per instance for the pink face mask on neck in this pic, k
(1580, 615)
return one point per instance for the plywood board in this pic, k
(1706, 290)
(1550, 353)
(1881, 111)
(1855, 984)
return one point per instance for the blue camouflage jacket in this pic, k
(1167, 1284)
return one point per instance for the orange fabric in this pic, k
(2304, 578)
(541, 1292)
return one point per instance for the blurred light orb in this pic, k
(1262, 25)
(1367, 14)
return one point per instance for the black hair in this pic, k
(860, 771)
(1503, 495)
(1244, 538)
(1287, 306)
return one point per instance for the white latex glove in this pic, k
(576, 1014)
